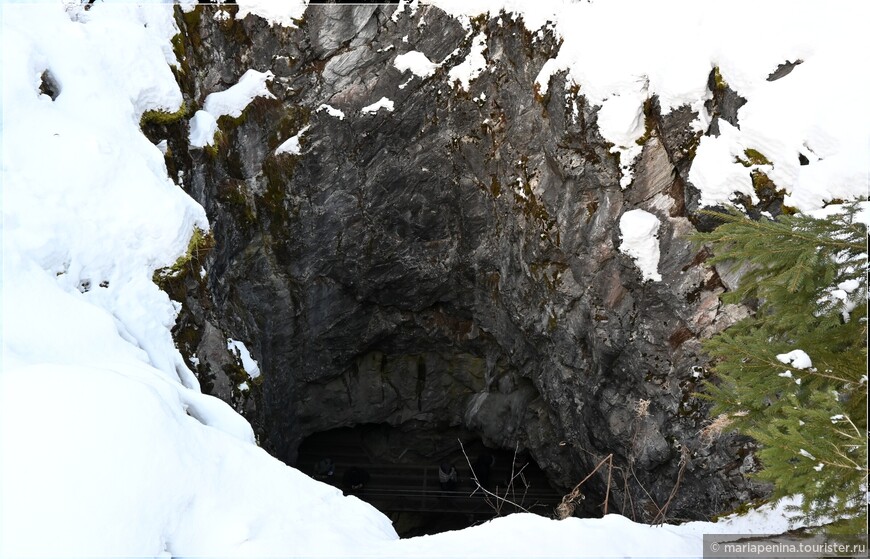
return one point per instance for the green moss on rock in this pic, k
(219, 145)
(198, 248)
(192, 21)
(648, 121)
(232, 194)
(718, 81)
(293, 119)
(277, 172)
(753, 157)
(159, 117)
(767, 191)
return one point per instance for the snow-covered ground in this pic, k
(107, 447)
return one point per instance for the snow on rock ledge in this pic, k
(292, 145)
(638, 230)
(621, 120)
(473, 65)
(248, 363)
(382, 103)
(231, 102)
(417, 62)
(203, 126)
(331, 111)
(818, 111)
(282, 12)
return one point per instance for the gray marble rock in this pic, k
(453, 262)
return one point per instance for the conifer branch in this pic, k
(796, 266)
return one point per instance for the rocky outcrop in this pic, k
(450, 262)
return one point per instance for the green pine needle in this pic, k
(813, 434)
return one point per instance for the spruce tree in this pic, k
(794, 374)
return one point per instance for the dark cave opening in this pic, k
(401, 479)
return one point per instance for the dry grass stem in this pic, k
(715, 429)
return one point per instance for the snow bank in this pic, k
(528, 535)
(88, 210)
(638, 230)
(109, 464)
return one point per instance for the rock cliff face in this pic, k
(452, 262)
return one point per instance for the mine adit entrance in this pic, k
(401, 475)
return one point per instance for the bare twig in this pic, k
(684, 459)
(641, 409)
(626, 488)
(510, 486)
(567, 506)
(499, 500)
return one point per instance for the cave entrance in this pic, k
(401, 467)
